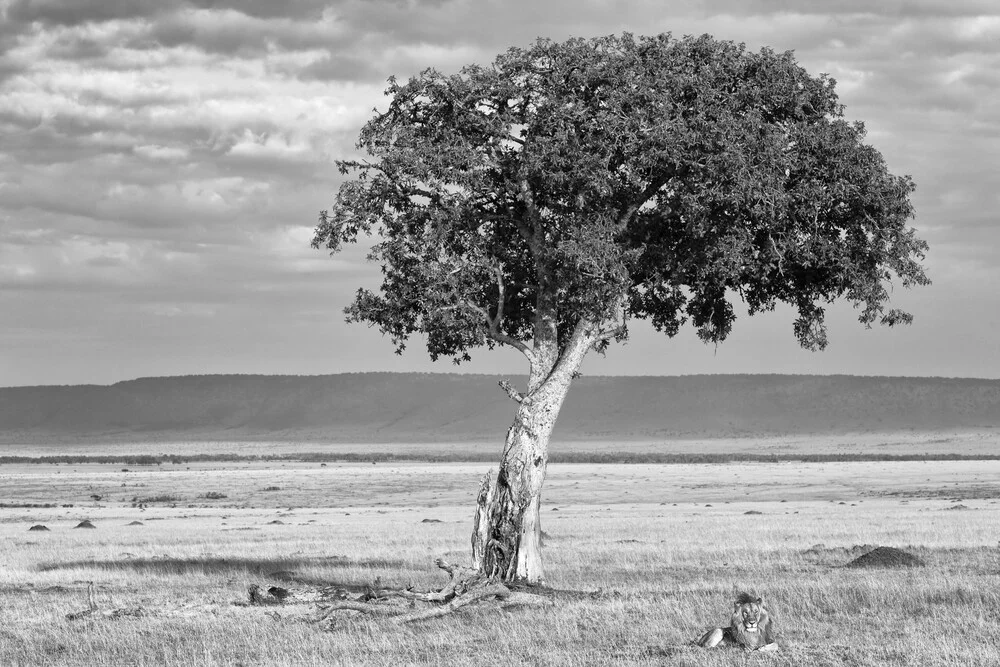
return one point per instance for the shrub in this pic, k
(164, 498)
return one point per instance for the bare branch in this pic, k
(493, 323)
(493, 590)
(511, 391)
(513, 342)
(610, 330)
(494, 332)
(781, 270)
(501, 299)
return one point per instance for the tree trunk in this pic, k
(506, 538)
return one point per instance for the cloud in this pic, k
(163, 161)
(234, 33)
(896, 9)
(77, 12)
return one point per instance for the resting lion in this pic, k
(750, 627)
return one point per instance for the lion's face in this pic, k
(747, 615)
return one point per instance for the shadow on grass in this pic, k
(287, 569)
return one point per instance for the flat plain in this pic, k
(661, 550)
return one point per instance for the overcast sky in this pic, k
(162, 164)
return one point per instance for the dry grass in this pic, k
(668, 570)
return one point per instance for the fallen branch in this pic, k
(493, 590)
(363, 607)
(465, 586)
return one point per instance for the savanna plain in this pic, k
(657, 553)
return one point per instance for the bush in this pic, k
(165, 498)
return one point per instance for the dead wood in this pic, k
(486, 591)
(363, 607)
(466, 586)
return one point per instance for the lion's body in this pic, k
(751, 627)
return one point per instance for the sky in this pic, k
(163, 162)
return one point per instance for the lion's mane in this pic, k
(765, 625)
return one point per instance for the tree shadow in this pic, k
(279, 569)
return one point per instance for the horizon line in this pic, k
(497, 375)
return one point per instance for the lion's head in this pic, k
(750, 624)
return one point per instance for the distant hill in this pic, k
(425, 408)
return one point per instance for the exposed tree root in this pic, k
(466, 586)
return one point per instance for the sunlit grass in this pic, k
(667, 564)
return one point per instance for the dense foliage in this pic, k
(599, 180)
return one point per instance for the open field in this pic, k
(668, 545)
(979, 441)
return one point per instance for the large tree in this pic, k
(545, 201)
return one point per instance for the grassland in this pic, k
(668, 546)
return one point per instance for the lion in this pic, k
(751, 627)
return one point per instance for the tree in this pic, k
(547, 200)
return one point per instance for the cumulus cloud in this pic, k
(163, 161)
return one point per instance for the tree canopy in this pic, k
(595, 181)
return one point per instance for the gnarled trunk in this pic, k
(506, 538)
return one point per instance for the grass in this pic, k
(667, 563)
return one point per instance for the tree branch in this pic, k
(421, 192)
(546, 316)
(491, 590)
(643, 197)
(501, 297)
(494, 322)
(609, 330)
(580, 341)
(530, 233)
(777, 253)
(513, 342)
(511, 391)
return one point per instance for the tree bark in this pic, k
(506, 536)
